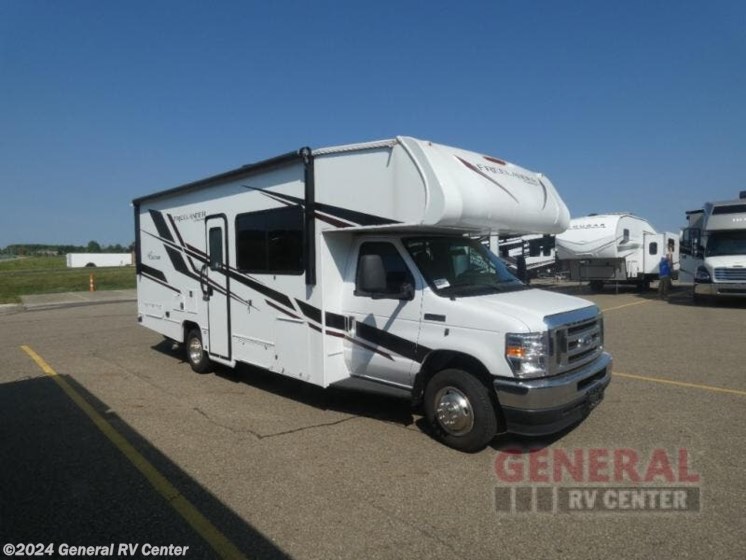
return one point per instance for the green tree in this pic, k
(93, 247)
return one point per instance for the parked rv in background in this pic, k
(620, 248)
(713, 249)
(538, 252)
(358, 266)
(81, 260)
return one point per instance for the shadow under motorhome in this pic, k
(713, 249)
(356, 266)
(620, 248)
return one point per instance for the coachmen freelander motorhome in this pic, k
(357, 266)
(618, 248)
(713, 249)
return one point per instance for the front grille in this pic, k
(723, 274)
(575, 344)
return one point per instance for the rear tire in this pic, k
(195, 352)
(460, 410)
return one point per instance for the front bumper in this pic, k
(720, 289)
(544, 406)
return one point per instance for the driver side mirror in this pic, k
(372, 281)
(371, 276)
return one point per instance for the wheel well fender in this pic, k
(439, 360)
(188, 326)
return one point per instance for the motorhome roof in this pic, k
(242, 171)
(445, 186)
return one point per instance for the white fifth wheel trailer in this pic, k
(620, 248)
(713, 249)
(357, 266)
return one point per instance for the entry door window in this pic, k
(216, 248)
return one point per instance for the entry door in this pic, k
(216, 286)
(383, 327)
(672, 246)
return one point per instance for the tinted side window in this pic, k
(270, 241)
(654, 248)
(285, 240)
(251, 247)
(397, 272)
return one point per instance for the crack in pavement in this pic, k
(428, 533)
(260, 436)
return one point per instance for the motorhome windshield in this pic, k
(721, 243)
(459, 266)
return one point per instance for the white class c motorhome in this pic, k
(357, 266)
(713, 249)
(621, 248)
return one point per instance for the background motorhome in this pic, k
(713, 249)
(358, 266)
(620, 248)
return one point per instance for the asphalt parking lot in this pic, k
(244, 462)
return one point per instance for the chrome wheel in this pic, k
(453, 411)
(195, 350)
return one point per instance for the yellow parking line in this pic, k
(682, 384)
(625, 305)
(220, 544)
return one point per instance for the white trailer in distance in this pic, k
(537, 251)
(358, 266)
(82, 260)
(620, 248)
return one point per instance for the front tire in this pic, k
(460, 410)
(195, 352)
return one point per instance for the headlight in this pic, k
(528, 354)
(702, 275)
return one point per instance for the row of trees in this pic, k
(37, 249)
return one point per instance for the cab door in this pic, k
(382, 309)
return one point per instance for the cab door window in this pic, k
(398, 277)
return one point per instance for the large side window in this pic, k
(270, 241)
(397, 273)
